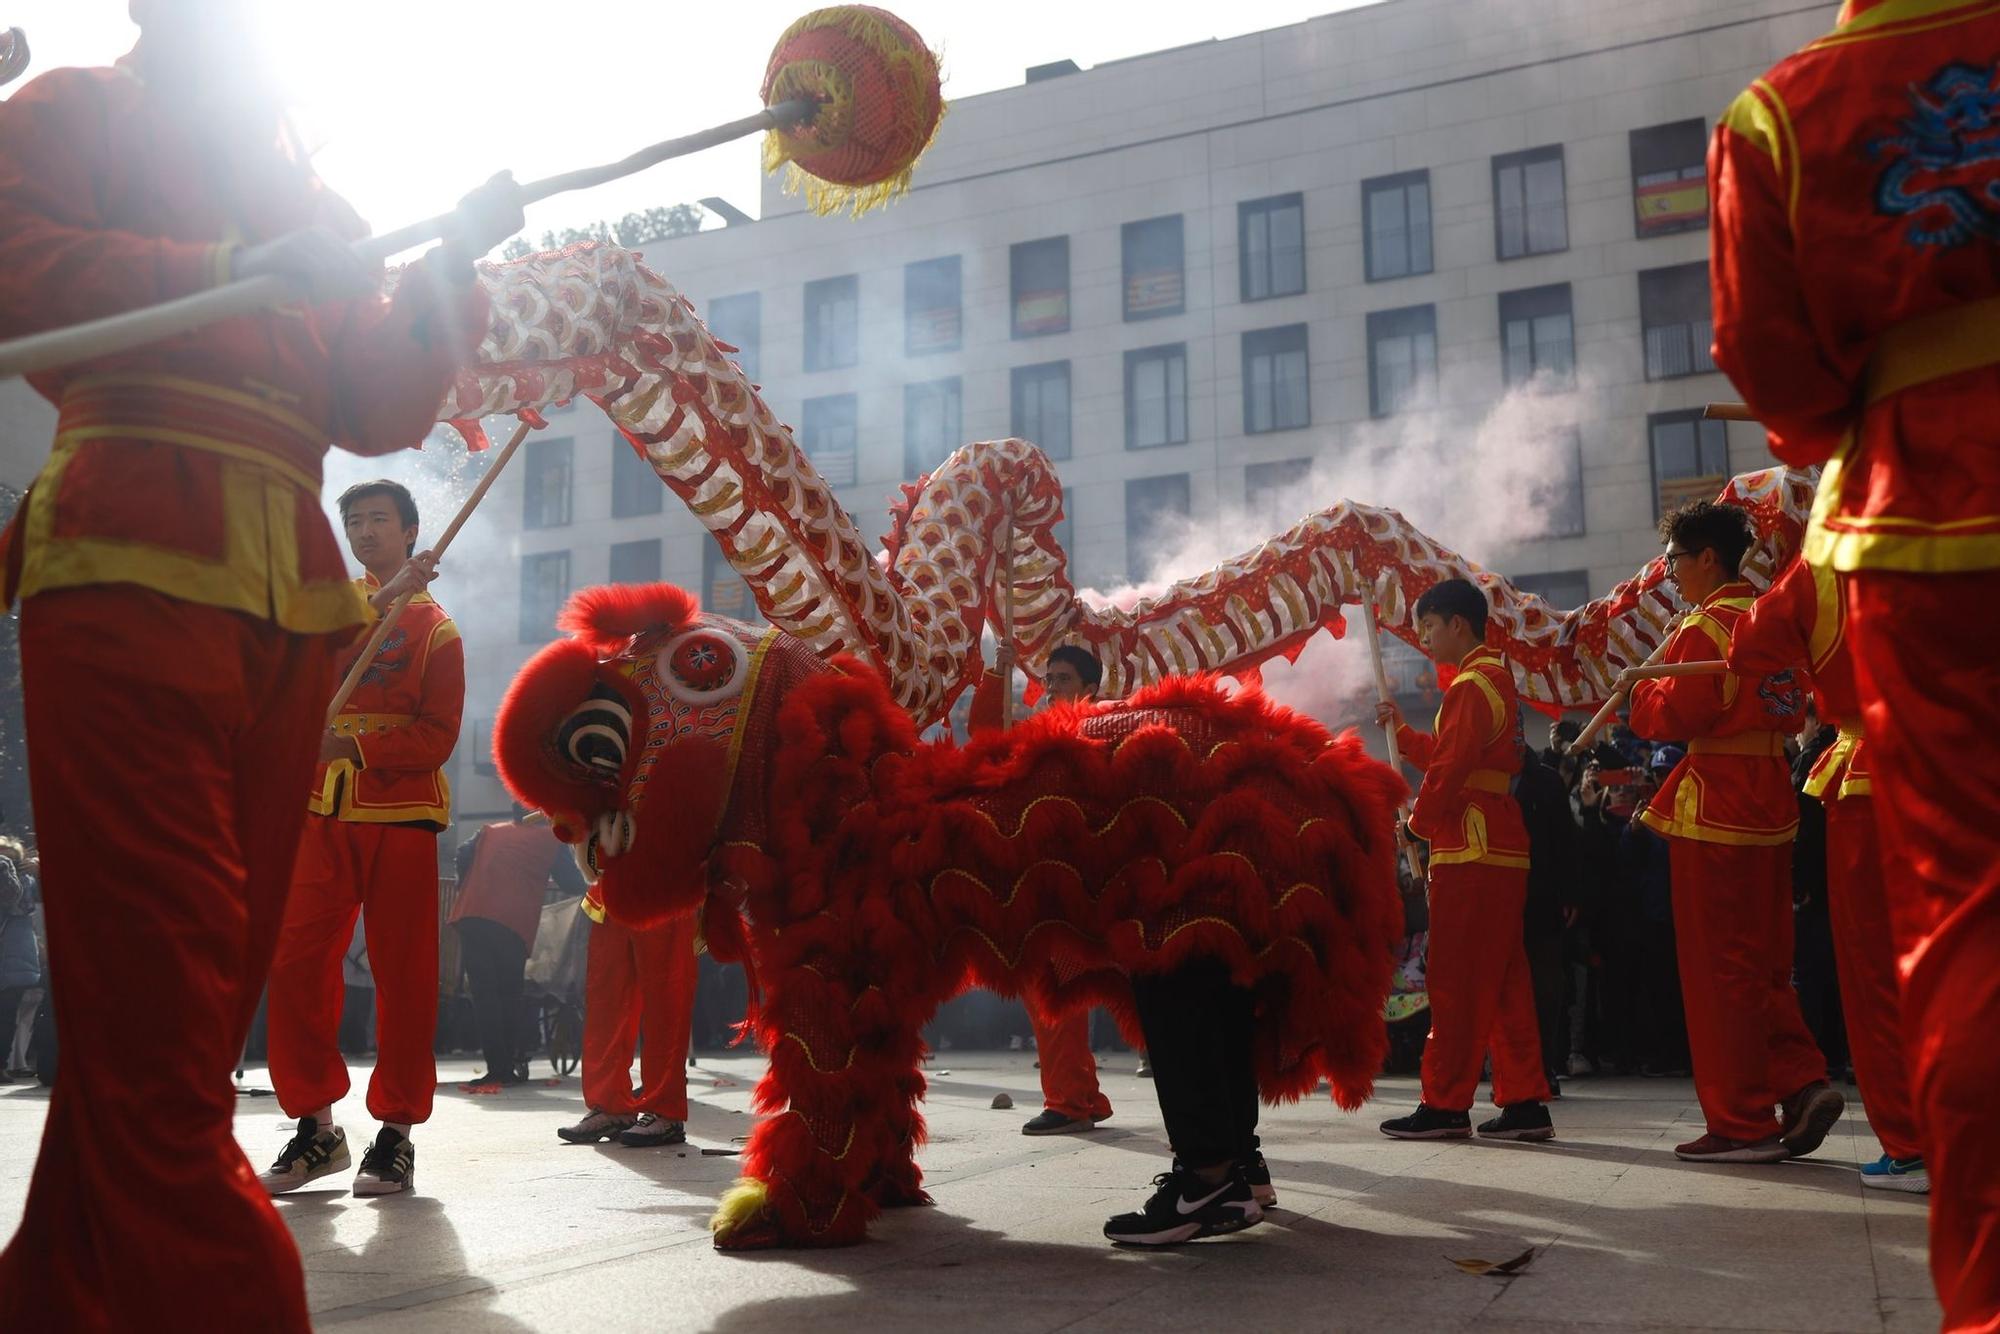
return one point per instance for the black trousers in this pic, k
(494, 959)
(1545, 970)
(1198, 1031)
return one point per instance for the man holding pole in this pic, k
(378, 804)
(1857, 310)
(1729, 813)
(1800, 622)
(1072, 1101)
(1482, 994)
(182, 601)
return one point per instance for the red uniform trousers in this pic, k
(1733, 931)
(1482, 997)
(1927, 659)
(169, 743)
(1069, 1071)
(1865, 950)
(639, 981)
(388, 874)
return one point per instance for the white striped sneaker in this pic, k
(311, 1154)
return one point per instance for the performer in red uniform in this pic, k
(1857, 310)
(181, 602)
(1800, 622)
(378, 803)
(1071, 1099)
(1482, 996)
(1729, 813)
(638, 993)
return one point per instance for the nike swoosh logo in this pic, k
(1189, 1206)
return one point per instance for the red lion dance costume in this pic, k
(864, 877)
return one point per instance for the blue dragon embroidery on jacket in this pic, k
(1944, 168)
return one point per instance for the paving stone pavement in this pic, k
(512, 1230)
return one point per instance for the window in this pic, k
(1690, 458)
(1397, 225)
(930, 424)
(833, 323)
(1276, 396)
(1041, 407)
(1563, 590)
(1038, 275)
(1155, 508)
(723, 591)
(1156, 396)
(544, 586)
(1556, 494)
(1271, 246)
(1153, 282)
(931, 306)
(482, 748)
(1402, 358)
(635, 562)
(739, 321)
(1275, 496)
(635, 487)
(1529, 216)
(831, 437)
(1670, 178)
(546, 487)
(1673, 312)
(1536, 335)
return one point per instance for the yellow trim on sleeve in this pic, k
(1759, 115)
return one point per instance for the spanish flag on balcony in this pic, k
(1670, 205)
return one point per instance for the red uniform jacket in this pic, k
(404, 719)
(1733, 786)
(1856, 294)
(1801, 623)
(1464, 808)
(192, 466)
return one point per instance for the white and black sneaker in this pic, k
(1186, 1208)
(652, 1132)
(311, 1154)
(389, 1167)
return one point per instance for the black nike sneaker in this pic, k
(1428, 1122)
(1186, 1208)
(1520, 1121)
(389, 1167)
(1259, 1176)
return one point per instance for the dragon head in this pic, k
(627, 733)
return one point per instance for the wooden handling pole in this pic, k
(136, 328)
(395, 612)
(1385, 696)
(1728, 412)
(1007, 612)
(1652, 666)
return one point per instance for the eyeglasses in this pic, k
(1673, 556)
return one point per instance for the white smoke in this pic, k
(1479, 483)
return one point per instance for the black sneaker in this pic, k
(311, 1154)
(595, 1127)
(652, 1132)
(1429, 1123)
(1186, 1208)
(389, 1167)
(1053, 1122)
(1259, 1177)
(1522, 1121)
